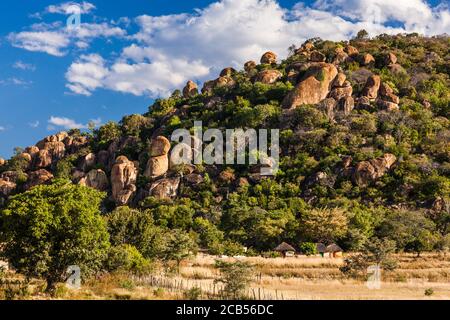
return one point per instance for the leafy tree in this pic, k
(411, 231)
(308, 248)
(108, 132)
(210, 236)
(362, 35)
(324, 225)
(50, 228)
(375, 252)
(235, 276)
(134, 124)
(133, 227)
(127, 258)
(180, 246)
(174, 216)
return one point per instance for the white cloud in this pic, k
(16, 82)
(24, 66)
(49, 42)
(169, 50)
(67, 123)
(34, 124)
(56, 38)
(413, 15)
(2, 128)
(69, 8)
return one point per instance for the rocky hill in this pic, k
(364, 128)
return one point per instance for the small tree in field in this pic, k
(375, 252)
(236, 276)
(180, 246)
(50, 228)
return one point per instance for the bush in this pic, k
(193, 294)
(429, 292)
(308, 248)
(126, 258)
(50, 228)
(235, 276)
(136, 228)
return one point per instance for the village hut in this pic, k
(285, 249)
(334, 251)
(321, 249)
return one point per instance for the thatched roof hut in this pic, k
(321, 248)
(333, 248)
(285, 248)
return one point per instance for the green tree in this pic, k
(127, 258)
(411, 231)
(108, 132)
(180, 246)
(362, 35)
(50, 228)
(136, 228)
(235, 276)
(375, 252)
(308, 248)
(324, 225)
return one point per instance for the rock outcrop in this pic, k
(95, 179)
(157, 167)
(341, 88)
(165, 188)
(159, 146)
(38, 177)
(314, 86)
(367, 59)
(390, 59)
(387, 99)
(317, 56)
(269, 58)
(42, 159)
(12, 176)
(123, 180)
(351, 51)
(340, 56)
(249, 66)
(372, 86)
(33, 151)
(56, 149)
(190, 90)
(158, 164)
(268, 76)
(228, 72)
(6, 188)
(369, 171)
(88, 162)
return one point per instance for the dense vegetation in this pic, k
(308, 201)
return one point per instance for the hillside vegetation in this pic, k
(365, 153)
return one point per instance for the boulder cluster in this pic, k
(316, 82)
(38, 160)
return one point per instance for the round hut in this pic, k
(285, 249)
(334, 251)
(321, 249)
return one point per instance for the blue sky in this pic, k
(126, 53)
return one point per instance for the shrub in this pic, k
(235, 276)
(126, 258)
(193, 294)
(308, 248)
(50, 228)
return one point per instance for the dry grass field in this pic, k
(299, 278)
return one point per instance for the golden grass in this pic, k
(302, 278)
